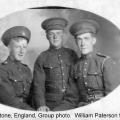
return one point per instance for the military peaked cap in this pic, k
(54, 24)
(84, 26)
(16, 31)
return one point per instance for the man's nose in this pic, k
(21, 50)
(55, 36)
(82, 42)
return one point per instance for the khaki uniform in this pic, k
(15, 77)
(95, 76)
(15, 83)
(51, 73)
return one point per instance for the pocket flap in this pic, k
(95, 73)
(50, 65)
(15, 79)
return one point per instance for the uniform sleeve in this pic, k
(39, 83)
(71, 97)
(7, 94)
(111, 75)
(74, 57)
(29, 78)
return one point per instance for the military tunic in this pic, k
(51, 72)
(15, 83)
(95, 76)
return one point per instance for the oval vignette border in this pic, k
(111, 103)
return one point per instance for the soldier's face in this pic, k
(55, 38)
(18, 47)
(85, 42)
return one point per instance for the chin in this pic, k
(84, 53)
(19, 58)
(57, 46)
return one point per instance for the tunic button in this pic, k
(63, 74)
(88, 89)
(91, 95)
(63, 90)
(84, 76)
(85, 63)
(63, 80)
(24, 89)
(62, 67)
(59, 55)
(85, 69)
(15, 80)
(85, 83)
(61, 61)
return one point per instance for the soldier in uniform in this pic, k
(51, 70)
(95, 74)
(15, 77)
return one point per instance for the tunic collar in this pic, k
(9, 60)
(88, 56)
(54, 50)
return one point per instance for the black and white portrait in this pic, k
(57, 58)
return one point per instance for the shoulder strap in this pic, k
(106, 58)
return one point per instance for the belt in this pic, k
(22, 99)
(96, 95)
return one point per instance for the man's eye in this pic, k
(86, 38)
(50, 34)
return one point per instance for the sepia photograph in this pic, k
(57, 58)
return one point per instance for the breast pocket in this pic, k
(51, 68)
(17, 85)
(95, 79)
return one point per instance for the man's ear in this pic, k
(76, 41)
(10, 44)
(8, 47)
(94, 40)
(63, 33)
(46, 33)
